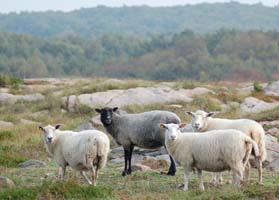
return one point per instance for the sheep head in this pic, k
(199, 119)
(106, 115)
(171, 130)
(48, 132)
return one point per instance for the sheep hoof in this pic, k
(171, 173)
(181, 186)
(260, 183)
(201, 188)
(124, 173)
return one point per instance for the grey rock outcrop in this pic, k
(139, 96)
(32, 163)
(254, 105)
(272, 89)
(6, 182)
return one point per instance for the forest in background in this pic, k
(142, 20)
(141, 42)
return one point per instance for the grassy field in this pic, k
(33, 184)
(23, 142)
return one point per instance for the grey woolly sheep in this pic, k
(142, 130)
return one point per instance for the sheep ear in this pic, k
(114, 109)
(182, 125)
(163, 125)
(57, 126)
(189, 113)
(98, 110)
(210, 114)
(41, 128)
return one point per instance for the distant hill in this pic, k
(223, 55)
(142, 20)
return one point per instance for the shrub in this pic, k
(6, 80)
(257, 86)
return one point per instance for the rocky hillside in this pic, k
(71, 102)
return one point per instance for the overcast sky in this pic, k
(67, 5)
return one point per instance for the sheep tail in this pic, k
(102, 150)
(254, 144)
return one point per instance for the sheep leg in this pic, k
(201, 186)
(93, 175)
(186, 178)
(124, 173)
(61, 173)
(237, 176)
(260, 170)
(84, 176)
(96, 176)
(130, 159)
(219, 178)
(213, 178)
(172, 168)
(247, 171)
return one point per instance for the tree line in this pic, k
(222, 55)
(142, 20)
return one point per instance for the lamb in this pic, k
(82, 151)
(203, 121)
(213, 151)
(142, 130)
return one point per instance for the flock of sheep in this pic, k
(209, 144)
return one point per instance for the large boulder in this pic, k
(32, 163)
(139, 96)
(30, 97)
(254, 105)
(272, 89)
(140, 167)
(6, 182)
(7, 98)
(28, 122)
(274, 165)
(270, 123)
(85, 126)
(4, 124)
(10, 98)
(274, 132)
(272, 148)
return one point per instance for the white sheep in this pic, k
(83, 151)
(214, 151)
(203, 121)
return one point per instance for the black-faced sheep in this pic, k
(142, 130)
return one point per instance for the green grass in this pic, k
(57, 190)
(32, 184)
